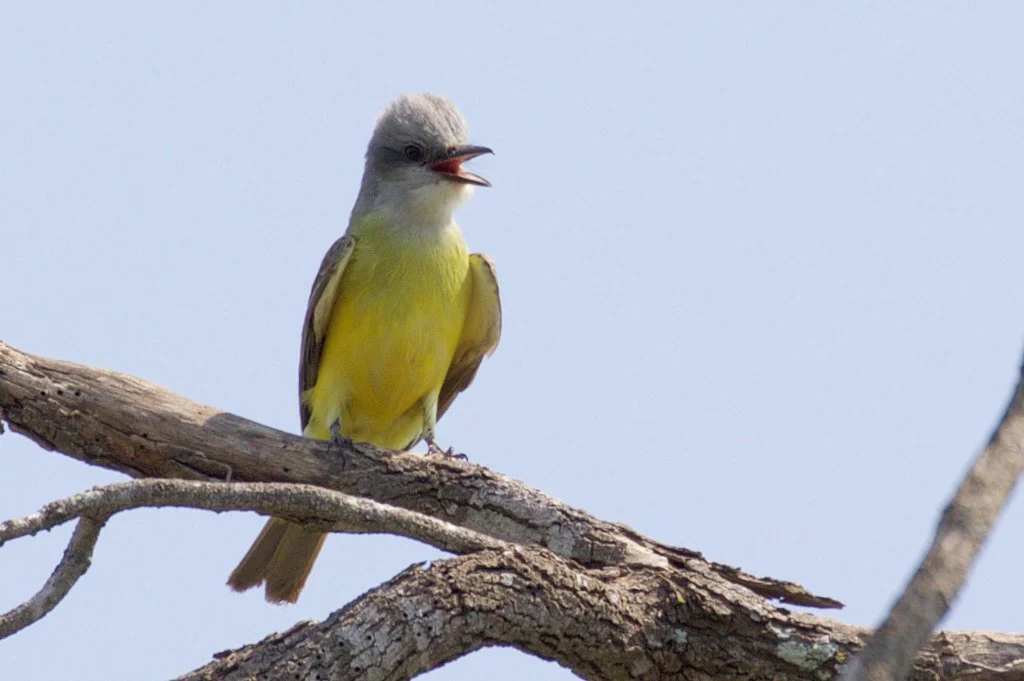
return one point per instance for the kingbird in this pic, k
(400, 316)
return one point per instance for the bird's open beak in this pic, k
(451, 165)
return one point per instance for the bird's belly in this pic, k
(382, 357)
(388, 372)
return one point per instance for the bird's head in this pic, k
(414, 159)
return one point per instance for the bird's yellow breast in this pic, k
(397, 320)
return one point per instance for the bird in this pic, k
(399, 318)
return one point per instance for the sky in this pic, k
(760, 268)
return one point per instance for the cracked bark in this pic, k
(125, 424)
(603, 623)
(594, 596)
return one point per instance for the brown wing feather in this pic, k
(480, 335)
(318, 315)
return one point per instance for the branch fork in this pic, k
(529, 571)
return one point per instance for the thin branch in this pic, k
(595, 596)
(965, 524)
(328, 510)
(122, 423)
(76, 560)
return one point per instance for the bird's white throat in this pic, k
(421, 206)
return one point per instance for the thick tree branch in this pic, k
(125, 424)
(594, 596)
(607, 623)
(964, 526)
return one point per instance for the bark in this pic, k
(76, 560)
(122, 423)
(591, 595)
(603, 623)
(966, 524)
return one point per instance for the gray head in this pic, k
(416, 154)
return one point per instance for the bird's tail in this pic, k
(282, 556)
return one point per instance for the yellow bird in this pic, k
(400, 316)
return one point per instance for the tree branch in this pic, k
(965, 524)
(594, 596)
(76, 560)
(327, 510)
(606, 623)
(119, 422)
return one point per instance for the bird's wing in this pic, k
(480, 334)
(318, 317)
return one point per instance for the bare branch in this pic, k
(609, 623)
(120, 422)
(76, 560)
(594, 596)
(964, 526)
(328, 510)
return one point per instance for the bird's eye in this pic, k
(413, 152)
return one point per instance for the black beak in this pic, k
(451, 165)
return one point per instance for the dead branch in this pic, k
(76, 560)
(122, 423)
(594, 596)
(328, 510)
(606, 623)
(965, 524)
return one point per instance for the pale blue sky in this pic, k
(760, 263)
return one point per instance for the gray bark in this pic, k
(594, 596)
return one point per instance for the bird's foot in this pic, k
(339, 443)
(434, 450)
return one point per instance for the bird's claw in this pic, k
(450, 453)
(339, 443)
